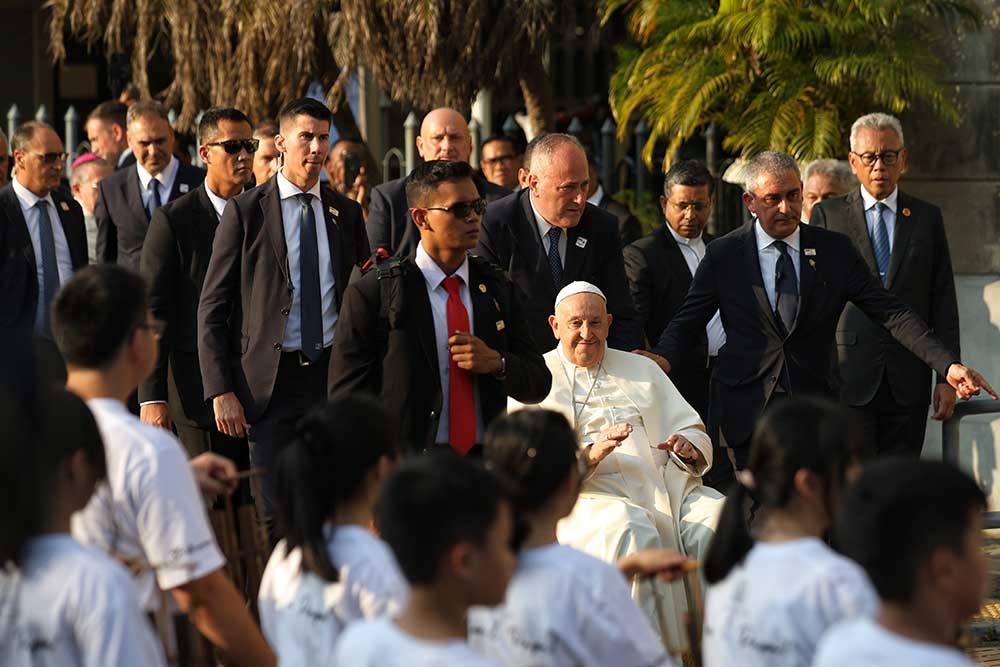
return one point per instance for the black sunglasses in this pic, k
(463, 208)
(233, 146)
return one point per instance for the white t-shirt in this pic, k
(149, 510)
(863, 643)
(380, 643)
(773, 607)
(564, 607)
(302, 615)
(72, 606)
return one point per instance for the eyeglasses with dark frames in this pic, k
(234, 146)
(888, 158)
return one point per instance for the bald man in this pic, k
(444, 135)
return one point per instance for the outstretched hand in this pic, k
(608, 441)
(664, 564)
(968, 382)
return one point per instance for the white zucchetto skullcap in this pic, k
(578, 287)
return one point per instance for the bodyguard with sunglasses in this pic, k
(902, 240)
(175, 258)
(438, 335)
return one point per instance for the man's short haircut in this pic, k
(774, 163)
(84, 172)
(542, 152)
(898, 513)
(25, 134)
(208, 126)
(425, 179)
(529, 152)
(689, 173)
(96, 312)
(265, 130)
(431, 503)
(876, 121)
(146, 110)
(499, 137)
(837, 170)
(112, 111)
(304, 106)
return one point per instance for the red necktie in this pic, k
(461, 400)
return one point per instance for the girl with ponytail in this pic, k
(774, 592)
(329, 569)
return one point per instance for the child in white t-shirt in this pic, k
(330, 569)
(62, 604)
(563, 607)
(916, 527)
(773, 595)
(451, 528)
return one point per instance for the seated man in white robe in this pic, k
(647, 450)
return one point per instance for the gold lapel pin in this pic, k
(482, 288)
(334, 212)
(906, 213)
(812, 263)
(64, 206)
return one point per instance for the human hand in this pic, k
(157, 414)
(968, 382)
(665, 564)
(473, 355)
(215, 475)
(681, 446)
(229, 416)
(944, 401)
(610, 439)
(660, 361)
(358, 190)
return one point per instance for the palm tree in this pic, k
(780, 74)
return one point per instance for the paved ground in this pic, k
(984, 629)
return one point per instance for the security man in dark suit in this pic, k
(439, 335)
(444, 135)
(43, 240)
(106, 133)
(903, 243)
(282, 257)
(547, 236)
(781, 288)
(175, 258)
(629, 227)
(128, 198)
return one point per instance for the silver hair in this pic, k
(146, 109)
(876, 121)
(540, 155)
(773, 163)
(838, 170)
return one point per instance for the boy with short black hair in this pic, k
(916, 527)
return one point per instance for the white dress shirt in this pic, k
(123, 156)
(438, 296)
(871, 214)
(693, 251)
(290, 208)
(64, 260)
(768, 255)
(598, 195)
(543, 230)
(219, 203)
(164, 181)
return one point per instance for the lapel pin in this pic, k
(184, 187)
(906, 213)
(809, 252)
(500, 325)
(482, 288)
(581, 242)
(64, 206)
(812, 263)
(334, 212)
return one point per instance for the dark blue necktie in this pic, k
(50, 269)
(880, 241)
(555, 261)
(310, 300)
(154, 197)
(786, 289)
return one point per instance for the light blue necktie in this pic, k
(880, 241)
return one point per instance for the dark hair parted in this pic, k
(796, 434)
(96, 312)
(431, 503)
(335, 447)
(690, 173)
(304, 106)
(112, 111)
(426, 178)
(535, 451)
(898, 513)
(208, 126)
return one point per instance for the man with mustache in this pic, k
(781, 287)
(547, 235)
(175, 258)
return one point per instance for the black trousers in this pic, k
(888, 428)
(197, 440)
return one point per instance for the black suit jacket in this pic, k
(756, 358)
(405, 374)
(389, 223)
(18, 271)
(121, 217)
(509, 238)
(629, 228)
(919, 274)
(659, 279)
(247, 294)
(127, 162)
(175, 258)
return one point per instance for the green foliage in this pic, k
(780, 74)
(646, 209)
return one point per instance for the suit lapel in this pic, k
(270, 204)
(77, 255)
(577, 247)
(132, 192)
(485, 311)
(421, 315)
(182, 184)
(530, 242)
(858, 229)
(752, 262)
(900, 239)
(12, 208)
(331, 217)
(807, 271)
(675, 258)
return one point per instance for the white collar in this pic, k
(123, 156)
(890, 201)
(164, 177)
(598, 195)
(433, 273)
(569, 364)
(288, 189)
(28, 198)
(218, 203)
(683, 240)
(764, 239)
(543, 225)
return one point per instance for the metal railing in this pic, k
(950, 433)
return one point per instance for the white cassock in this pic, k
(639, 497)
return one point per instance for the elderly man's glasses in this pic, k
(234, 146)
(494, 161)
(463, 209)
(51, 158)
(685, 206)
(888, 158)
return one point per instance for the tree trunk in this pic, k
(539, 99)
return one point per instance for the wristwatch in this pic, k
(502, 373)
